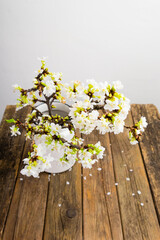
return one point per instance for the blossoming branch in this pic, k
(95, 105)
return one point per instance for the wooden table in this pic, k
(47, 208)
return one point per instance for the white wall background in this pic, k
(102, 39)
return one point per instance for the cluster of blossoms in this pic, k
(136, 131)
(95, 105)
(91, 97)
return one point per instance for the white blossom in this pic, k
(103, 125)
(66, 134)
(125, 107)
(15, 131)
(49, 88)
(93, 115)
(16, 87)
(118, 125)
(143, 123)
(93, 83)
(133, 141)
(111, 105)
(55, 129)
(86, 122)
(85, 159)
(101, 150)
(57, 76)
(30, 172)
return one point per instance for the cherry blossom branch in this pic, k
(84, 114)
(34, 108)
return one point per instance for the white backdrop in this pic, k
(101, 39)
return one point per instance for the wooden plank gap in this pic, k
(116, 180)
(104, 191)
(82, 188)
(82, 202)
(45, 216)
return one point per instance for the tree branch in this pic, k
(127, 127)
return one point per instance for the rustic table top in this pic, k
(90, 207)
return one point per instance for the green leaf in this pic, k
(10, 120)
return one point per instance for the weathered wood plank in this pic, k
(101, 212)
(101, 216)
(11, 149)
(64, 222)
(13, 211)
(27, 211)
(139, 222)
(150, 147)
(109, 186)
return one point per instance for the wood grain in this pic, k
(150, 147)
(11, 149)
(109, 181)
(27, 211)
(52, 210)
(139, 222)
(64, 222)
(101, 212)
